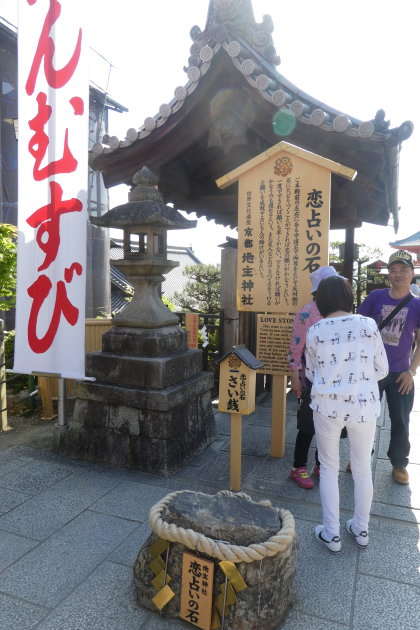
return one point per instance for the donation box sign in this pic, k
(283, 225)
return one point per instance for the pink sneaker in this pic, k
(315, 471)
(300, 475)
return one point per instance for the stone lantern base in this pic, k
(150, 406)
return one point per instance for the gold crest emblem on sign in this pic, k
(234, 362)
(283, 166)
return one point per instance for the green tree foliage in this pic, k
(167, 302)
(202, 292)
(365, 255)
(8, 250)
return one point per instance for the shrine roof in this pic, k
(234, 51)
(278, 92)
(412, 241)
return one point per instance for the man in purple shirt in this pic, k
(398, 337)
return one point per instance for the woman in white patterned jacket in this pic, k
(345, 358)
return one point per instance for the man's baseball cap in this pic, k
(401, 257)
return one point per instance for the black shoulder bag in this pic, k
(395, 311)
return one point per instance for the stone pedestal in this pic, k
(150, 406)
(237, 521)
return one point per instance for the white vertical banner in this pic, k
(53, 175)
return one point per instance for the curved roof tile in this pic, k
(274, 88)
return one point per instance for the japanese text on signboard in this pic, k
(282, 233)
(197, 590)
(236, 386)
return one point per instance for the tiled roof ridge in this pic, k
(274, 88)
(412, 240)
(234, 19)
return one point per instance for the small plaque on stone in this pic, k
(197, 591)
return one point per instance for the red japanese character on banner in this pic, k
(40, 141)
(47, 220)
(78, 105)
(45, 51)
(39, 292)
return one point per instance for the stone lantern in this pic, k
(145, 220)
(149, 407)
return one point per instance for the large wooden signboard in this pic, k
(273, 341)
(283, 225)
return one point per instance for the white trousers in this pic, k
(361, 436)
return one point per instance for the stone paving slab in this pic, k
(7, 465)
(319, 577)
(45, 513)
(104, 600)
(387, 491)
(13, 454)
(130, 500)
(255, 441)
(188, 482)
(414, 440)
(13, 547)
(48, 573)
(218, 470)
(207, 455)
(381, 604)
(10, 499)
(296, 620)
(127, 552)
(396, 515)
(35, 476)
(159, 623)
(392, 555)
(19, 615)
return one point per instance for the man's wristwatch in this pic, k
(412, 372)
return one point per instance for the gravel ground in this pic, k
(27, 430)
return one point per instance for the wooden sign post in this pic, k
(237, 397)
(283, 228)
(273, 341)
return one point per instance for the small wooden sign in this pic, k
(273, 342)
(236, 386)
(191, 326)
(197, 591)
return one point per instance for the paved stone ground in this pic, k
(70, 531)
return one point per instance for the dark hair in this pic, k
(334, 294)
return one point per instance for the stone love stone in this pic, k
(237, 520)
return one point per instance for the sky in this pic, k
(356, 57)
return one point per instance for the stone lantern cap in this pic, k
(145, 207)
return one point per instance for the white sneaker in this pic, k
(333, 545)
(361, 539)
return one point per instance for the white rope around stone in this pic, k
(217, 548)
